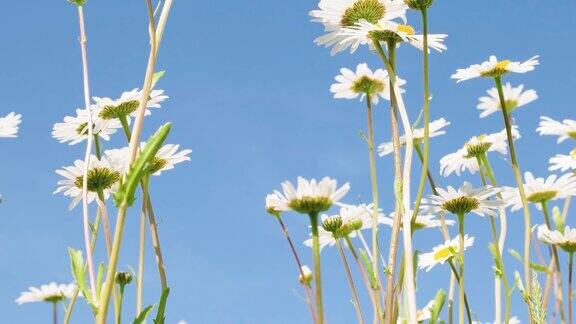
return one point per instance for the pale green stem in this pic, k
(363, 273)
(430, 178)
(519, 183)
(317, 270)
(457, 279)
(54, 313)
(557, 271)
(461, 281)
(141, 249)
(356, 300)
(121, 299)
(570, 292)
(483, 161)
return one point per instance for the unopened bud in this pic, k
(305, 277)
(123, 278)
(332, 224)
(355, 224)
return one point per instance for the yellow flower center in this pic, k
(572, 134)
(498, 70)
(502, 65)
(542, 196)
(573, 154)
(406, 29)
(368, 86)
(444, 253)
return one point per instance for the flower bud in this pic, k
(355, 224)
(123, 278)
(332, 224)
(418, 4)
(305, 277)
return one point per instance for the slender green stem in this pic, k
(570, 292)
(54, 312)
(141, 250)
(556, 259)
(430, 178)
(317, 270)
(356, 300)
(120, 300)
(457, 278)
(461, 281)
(124, 121)
(97, 147)
(519, 183)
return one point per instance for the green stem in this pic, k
(356, 300)
(54, 313)
(430, 178)
(457, 277)
(570, 292)
(124, 121)
(461, 281)
(484, 162)
(317, 270)
(141, 249)
(519, 182)
(97, 146)
(557, 271)
(121, 299)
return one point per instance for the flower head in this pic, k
(363, 83)
(563, 162)
(494, 68)
(465, 157)
(514, 97)
(422, 221)
(305, 277)
(540, 190)
(310, 196)
(75, 129)
(564, 130)
(443, 252)
(463, 201)
(165, 159)
(51, 292)
(565, 239)
(126, 105)
(436, 129)
(9, 125)
(337, 15)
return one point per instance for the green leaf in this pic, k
(125, 193)
(368, 265)
(437, 306)
(99, 279)
(498, 267)
(78, 273)
(162, 307)
(559, 221)
(515, 254)
(157, 76)
(539, 267)
(143, 315)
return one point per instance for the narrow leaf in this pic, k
(143, 315)
(162, 307)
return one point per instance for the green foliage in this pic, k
(100, 279)
(127, 188)
(157, 76)
(437, 306)
(78, 273)
(143, 315)
(162, 307)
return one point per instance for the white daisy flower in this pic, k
(422, 221)
(363, 82)
(494, 68)
(565, 239)
(310, 196)
(540, 190)
(351, 219)
(336, 15)
(465, 157)
(103, 175)
(364, 32)
(9, 125)
(463, 201)
(564, 130)
(435, 127)
(75, 129)
(443, 252)
(51, 292)
(514, 97)
(563, 162)
(165, 159)
(127, 104)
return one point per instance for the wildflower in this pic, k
(9, 125)
(436, 129)
(305, 277)
(564, 130)
(563, 162)
(443, 252)
(565, 239)
(514, 98)
(465, 158)
(166, 158)
(310, 196)
(422, 221)
(363, 83)
(494, 68)
(539, 191)
(75, 129)
(463, 201)
(51, 293)
(337, 15)
(127, 104)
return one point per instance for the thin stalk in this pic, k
(557, 272)
(457, 279)
(374, 185)
(363, 273)
(317, 270)
(428, 174)
(141, 250)
(570, 292)
(125, 126)
(85, 210)
(54, 313)
(107, 238)
(519, 183)
(461, 281)
(119, 313)
(356, 300)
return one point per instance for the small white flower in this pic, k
(564, 130)
(563, 162)
(75, 129)
(127, 104)
(494, 68)
(443, 252)
(165, 159)
(9, 125)
(538, 190)
(103, 176)
(514, 97)
(436, 129)
(566, 239)
(310, 196)
(337, 15)
(463, 201)
(363, 82)
(465, 157)
(422, 221)
(51, 292)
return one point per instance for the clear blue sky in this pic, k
(249, 94)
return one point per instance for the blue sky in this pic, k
(249, 95)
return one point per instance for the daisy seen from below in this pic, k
(494, 68)
(362, 83)
(126, 105)
(422, 221)
(9, 125)
(51, 293)
(103, 178)
(166, 158)
(563, 162)
(74, 129)
(540, 191)
(514, 97)
(466, 158)
(564, 130)
(436, 129)
(565, 239)
(463, 201)
(337, 15)
(443, 252)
